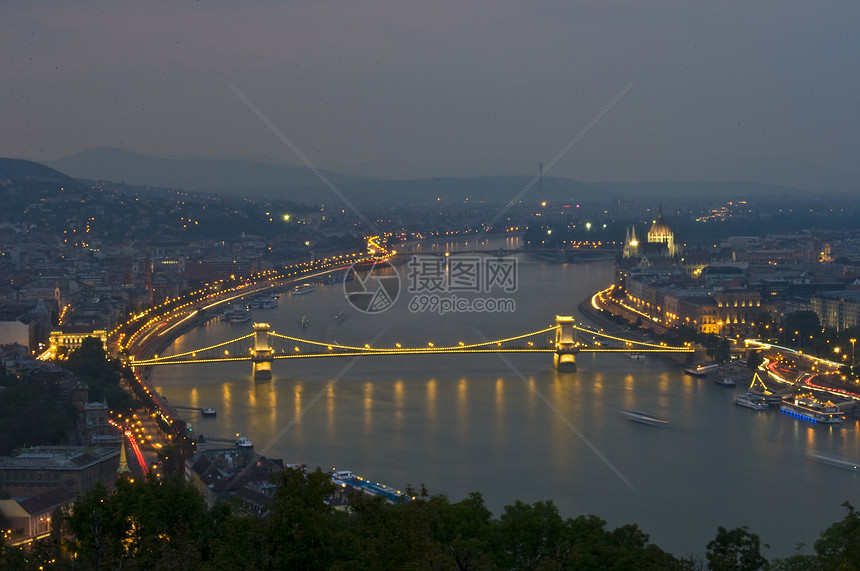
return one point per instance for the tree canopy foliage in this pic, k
(30, 414)
(102, 374)
(165, 524)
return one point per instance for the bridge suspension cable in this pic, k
(332, 349)
(389, 350)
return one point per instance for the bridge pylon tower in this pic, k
(564, 358)
(262, 355)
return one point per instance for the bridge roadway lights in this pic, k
(261, 356)
(565, 344)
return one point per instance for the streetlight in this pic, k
(852, 353)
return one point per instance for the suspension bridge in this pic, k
(563, 340)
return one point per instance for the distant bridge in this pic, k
(564, 340)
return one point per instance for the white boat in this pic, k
(269, 302)
(727, 381)
(240, 317)
(702, 370)
(837, 461)
(303, 289)
(643, 417)
(243, 442)
(807, 407)
(635, 355)
(750, 401)
(239, 313)
(208, 411)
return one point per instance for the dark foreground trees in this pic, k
(166, 524)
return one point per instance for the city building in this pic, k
(71, 337)
(30, 514)
(658, 249)
(69, 467)
(838, 310)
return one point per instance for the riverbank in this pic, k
(600, 318)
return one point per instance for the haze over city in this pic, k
(764, 92)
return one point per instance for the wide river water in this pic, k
(464, 423)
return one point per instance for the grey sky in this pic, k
(766, 91)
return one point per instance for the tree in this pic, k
(806, 323)
(764, 325)
(462, 529)
(839, 545)
(150, 523)
(102, 374)
(755, 360)
(91, 360)
(723, 351)
(735, 550)
(299, 531)
(530, 536)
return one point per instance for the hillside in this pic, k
(19, 170)
(223, 176)
(299, 184)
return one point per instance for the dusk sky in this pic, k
(731, 90)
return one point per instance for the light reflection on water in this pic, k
(468, 423)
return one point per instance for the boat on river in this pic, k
(239, 314)
(838, 461)
(752, 401)
(702, 370)
(243, 442)
(807, 407)
(643, 417)
(727, 381)
(208, 411)
(303, 289)
(269, 302)
(635, 356)
(346, 479)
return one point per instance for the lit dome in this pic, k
(660, 229)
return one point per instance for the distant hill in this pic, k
(253, 178)
(224, 176)
(20, 170)
(299, 184)
(686, 189)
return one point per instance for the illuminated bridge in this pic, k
(564, 340)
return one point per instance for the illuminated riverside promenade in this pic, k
(134, 335)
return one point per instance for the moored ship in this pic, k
(239, 314)
(242, 442)
(809, 408)
(303, 289)
(269, 302)
(702, 370)
(748, 400)
(346, 479)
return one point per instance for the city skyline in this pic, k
(722, 92)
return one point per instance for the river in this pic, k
(464, 423)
